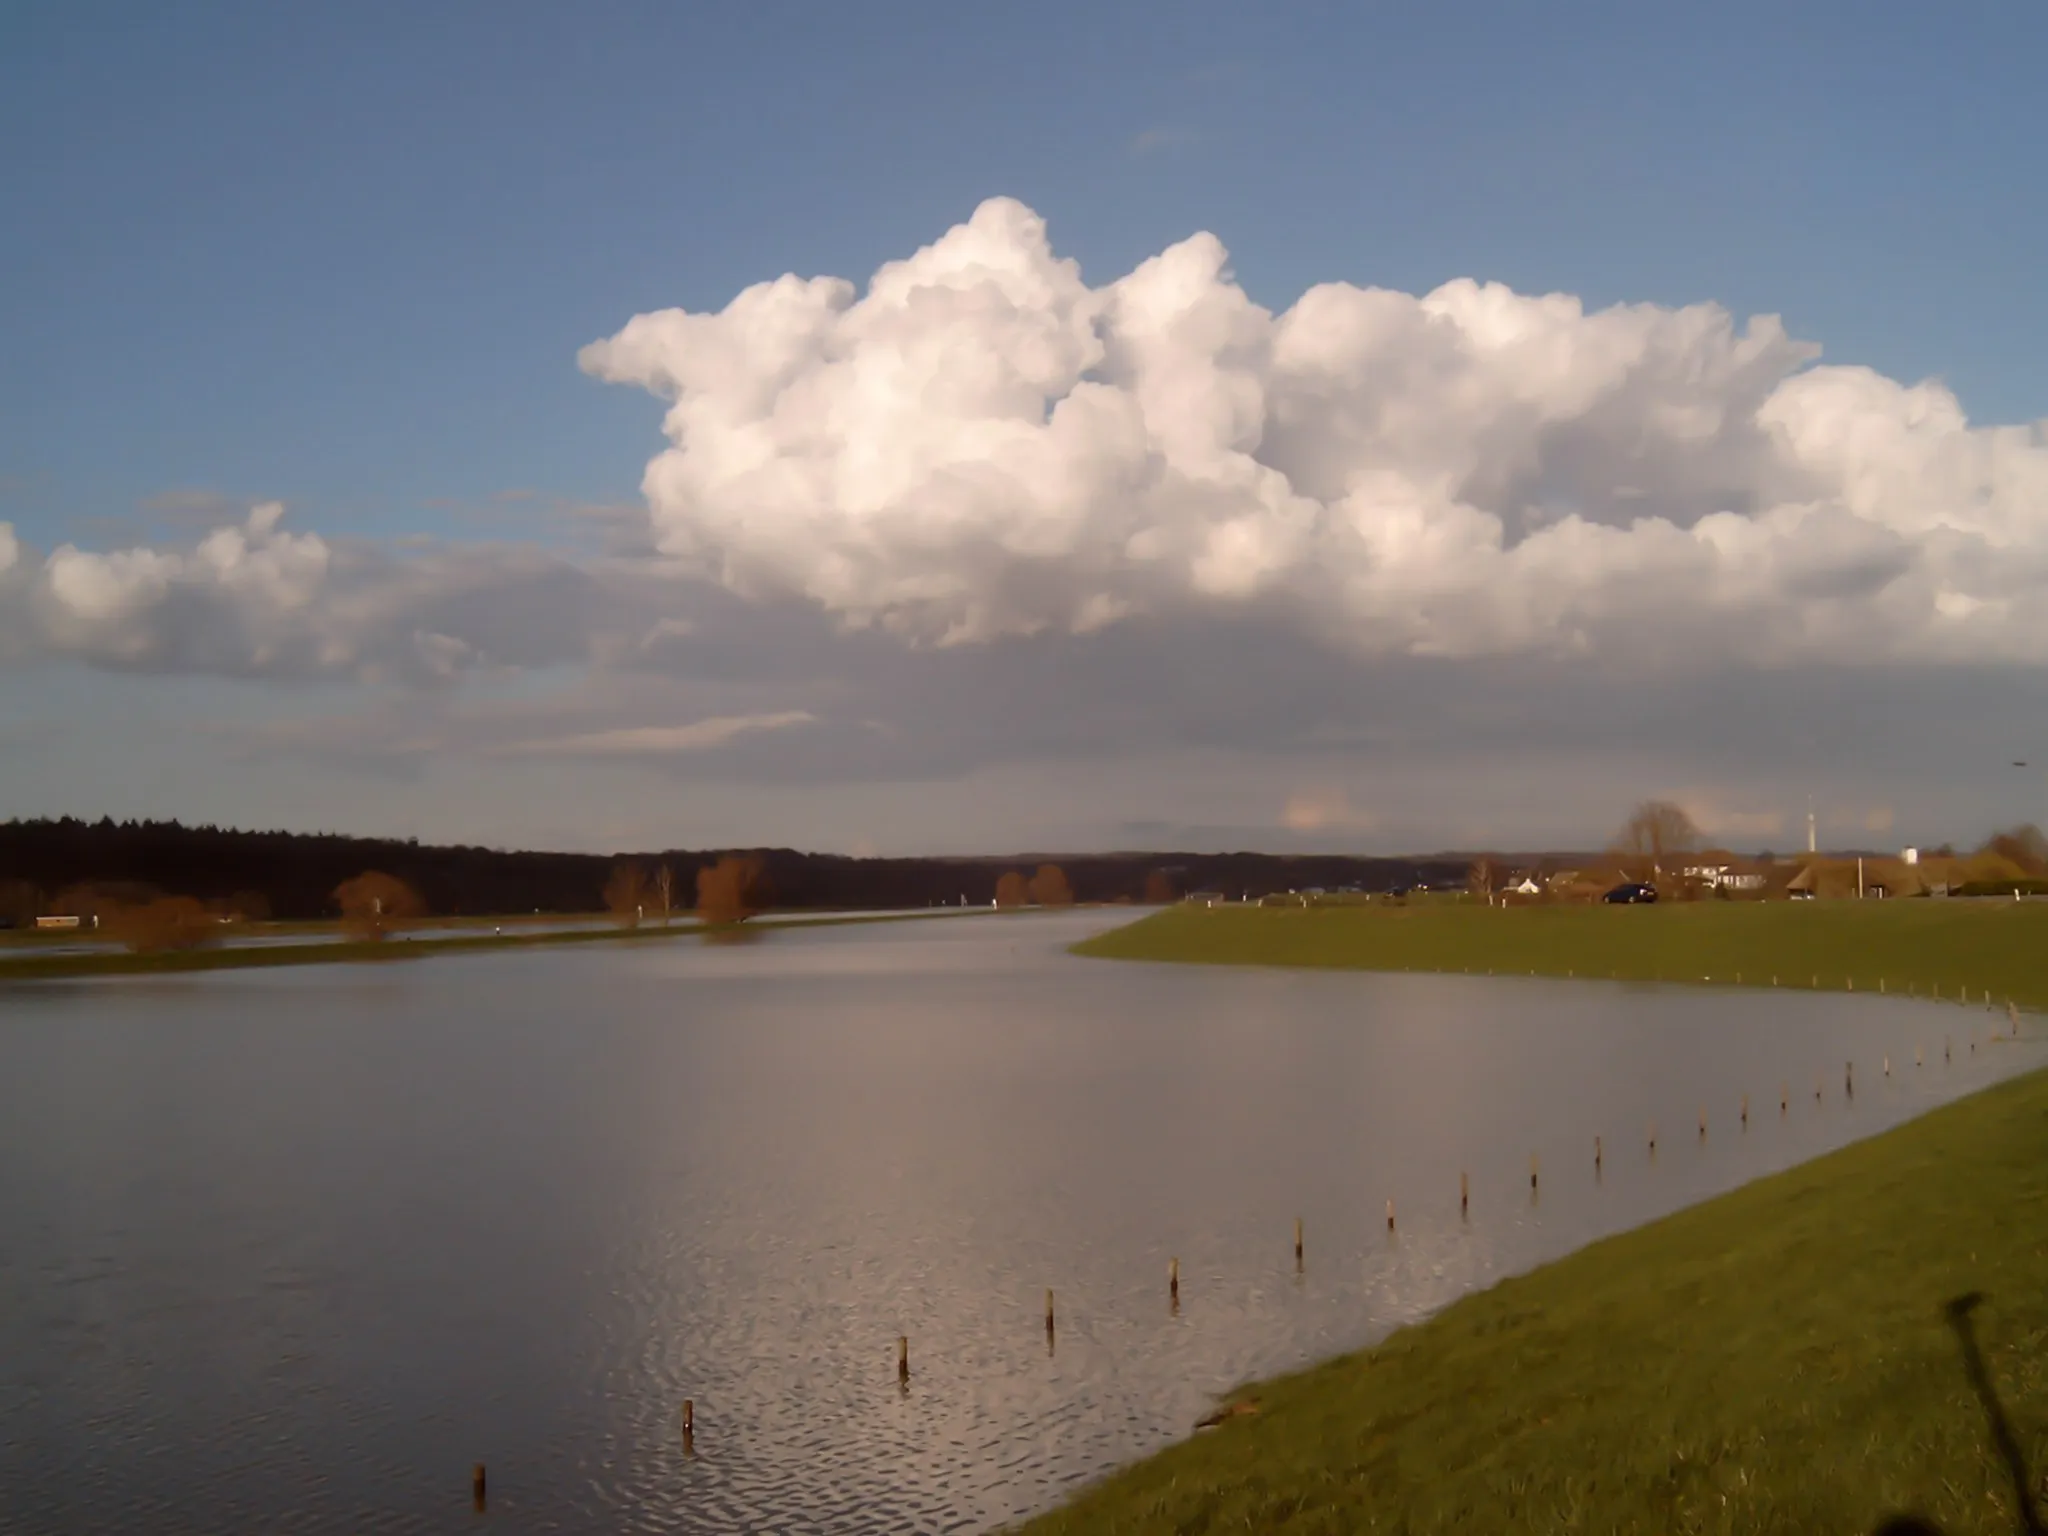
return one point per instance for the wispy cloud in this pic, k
(1325, 810)
(1151, 141)
(660, 740)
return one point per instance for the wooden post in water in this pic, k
(1849, 1079)
(1703, 1122)
(689, 1426)
(1653, 1138)
(1464, 1193)
(1048, 1311)
(1887, 1066)
(1596, 1154)
(1745, 1111)
(1390, 1214)
(1945, 1057)
(476, 1485)
(1532, 1172)
(1173, 1282)
(903, 1359)
(1297, 1242)
(1918, 1056)
(1784, 1098)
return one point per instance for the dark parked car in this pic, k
(1630, 894)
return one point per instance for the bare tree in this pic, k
(249, 907)
(165, 923)
(732, 890)
(95, 901)
(2023, 847)
(625, 894)
(1655, 832)
(1049, 887)
(20, 903)
(1479, 879)
(665, 888)
(374, 905)
(1013, 890)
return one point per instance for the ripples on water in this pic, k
(291, 1250)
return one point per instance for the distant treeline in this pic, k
(295, 875)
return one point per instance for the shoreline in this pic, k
(1782, 1356)
(406, 947)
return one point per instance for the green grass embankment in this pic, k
(1777, 1360)
(1903, 946)
(397, 948)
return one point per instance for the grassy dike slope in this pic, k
(1776, 1360)
(1918, 945)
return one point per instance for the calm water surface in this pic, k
(290, 1250)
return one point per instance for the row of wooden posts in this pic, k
(1962, 993)
(689, 1409)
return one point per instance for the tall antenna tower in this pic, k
(1812, 843)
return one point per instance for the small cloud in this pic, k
(664, 630)
(443, 657)
(620, 530)
(1152, 140)
(191, 508)
(660, 740)
(1325, 810)
(1727, 823)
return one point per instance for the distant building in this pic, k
(1909, 856)
(1205, 898)
(68, 921)
(1724, 877)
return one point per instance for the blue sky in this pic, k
(345, 256)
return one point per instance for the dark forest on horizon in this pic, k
(295, 874)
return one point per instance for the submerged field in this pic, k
(1924, 947)
(1797, 1356)
(1781, 1359)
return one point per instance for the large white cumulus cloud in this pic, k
(982, 444)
